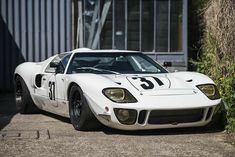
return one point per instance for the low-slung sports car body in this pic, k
(120, 89)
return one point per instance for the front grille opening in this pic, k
(142, 116)
(175, 116)
(209, 113)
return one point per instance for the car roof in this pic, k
(87, 50)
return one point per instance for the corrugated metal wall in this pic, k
(32, 30)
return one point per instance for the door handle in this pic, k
(44, 79)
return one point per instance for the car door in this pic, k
(50, 89)
(45, 87)
(58, 87)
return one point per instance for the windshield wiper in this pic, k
(97, 69)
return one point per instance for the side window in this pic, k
(65, 60)
(52, 69)
(63, 63)
(62, 60)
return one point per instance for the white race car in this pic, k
(120, 89)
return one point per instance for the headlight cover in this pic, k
(119, 95)
(126, 116)
(210, 91)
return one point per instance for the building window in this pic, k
(176, 26)
(133, 23)
(145, 25)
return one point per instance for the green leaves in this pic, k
(221, 68)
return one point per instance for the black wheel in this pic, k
(24, 102)
(219, 119)
(81, 116)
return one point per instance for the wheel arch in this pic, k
(25, 81)
(69, 88)
(15, 75)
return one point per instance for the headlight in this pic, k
(210, 91)
(126, 116)
(119, 95)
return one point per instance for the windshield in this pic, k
(113, 63)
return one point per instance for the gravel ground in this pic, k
(49, 135)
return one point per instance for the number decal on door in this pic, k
(51, 90)
(149, 85)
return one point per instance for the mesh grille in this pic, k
(175, 116)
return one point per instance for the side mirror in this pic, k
(167, 64)
(54, 64)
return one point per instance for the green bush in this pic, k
(216, 48)
(221, 68)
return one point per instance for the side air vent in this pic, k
(38, 80)
(142, 117)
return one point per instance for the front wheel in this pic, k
(219, 119)
(81, 116)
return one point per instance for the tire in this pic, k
(219, 119)
(23, 100)
(81, 116)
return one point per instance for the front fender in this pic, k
(92, 86)
(194, 77)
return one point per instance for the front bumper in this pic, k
(111, 121)
(148, 105)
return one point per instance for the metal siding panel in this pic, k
(55, 26)
(68, 25)
(185, 31)
(17, 24)
(113, 24)
(16, 39)
(140, 27)
(46, 37)
(43, 29)
(126, 23)
(52, 26)
(18, 5)
(29, 31)
(5, 17)
(13, 54)
(9, 43)
(40, 29)
(23, 29)
(36, 31)
(49, 28)
(62, 26)
(58, 24)
(13, 37)
(3, 9)
(32, 31)
(2, 48)
(169, 25)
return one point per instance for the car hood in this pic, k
(154, 84)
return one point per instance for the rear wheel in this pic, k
(24, 102)
(81, 116)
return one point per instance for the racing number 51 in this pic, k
(51, 90)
